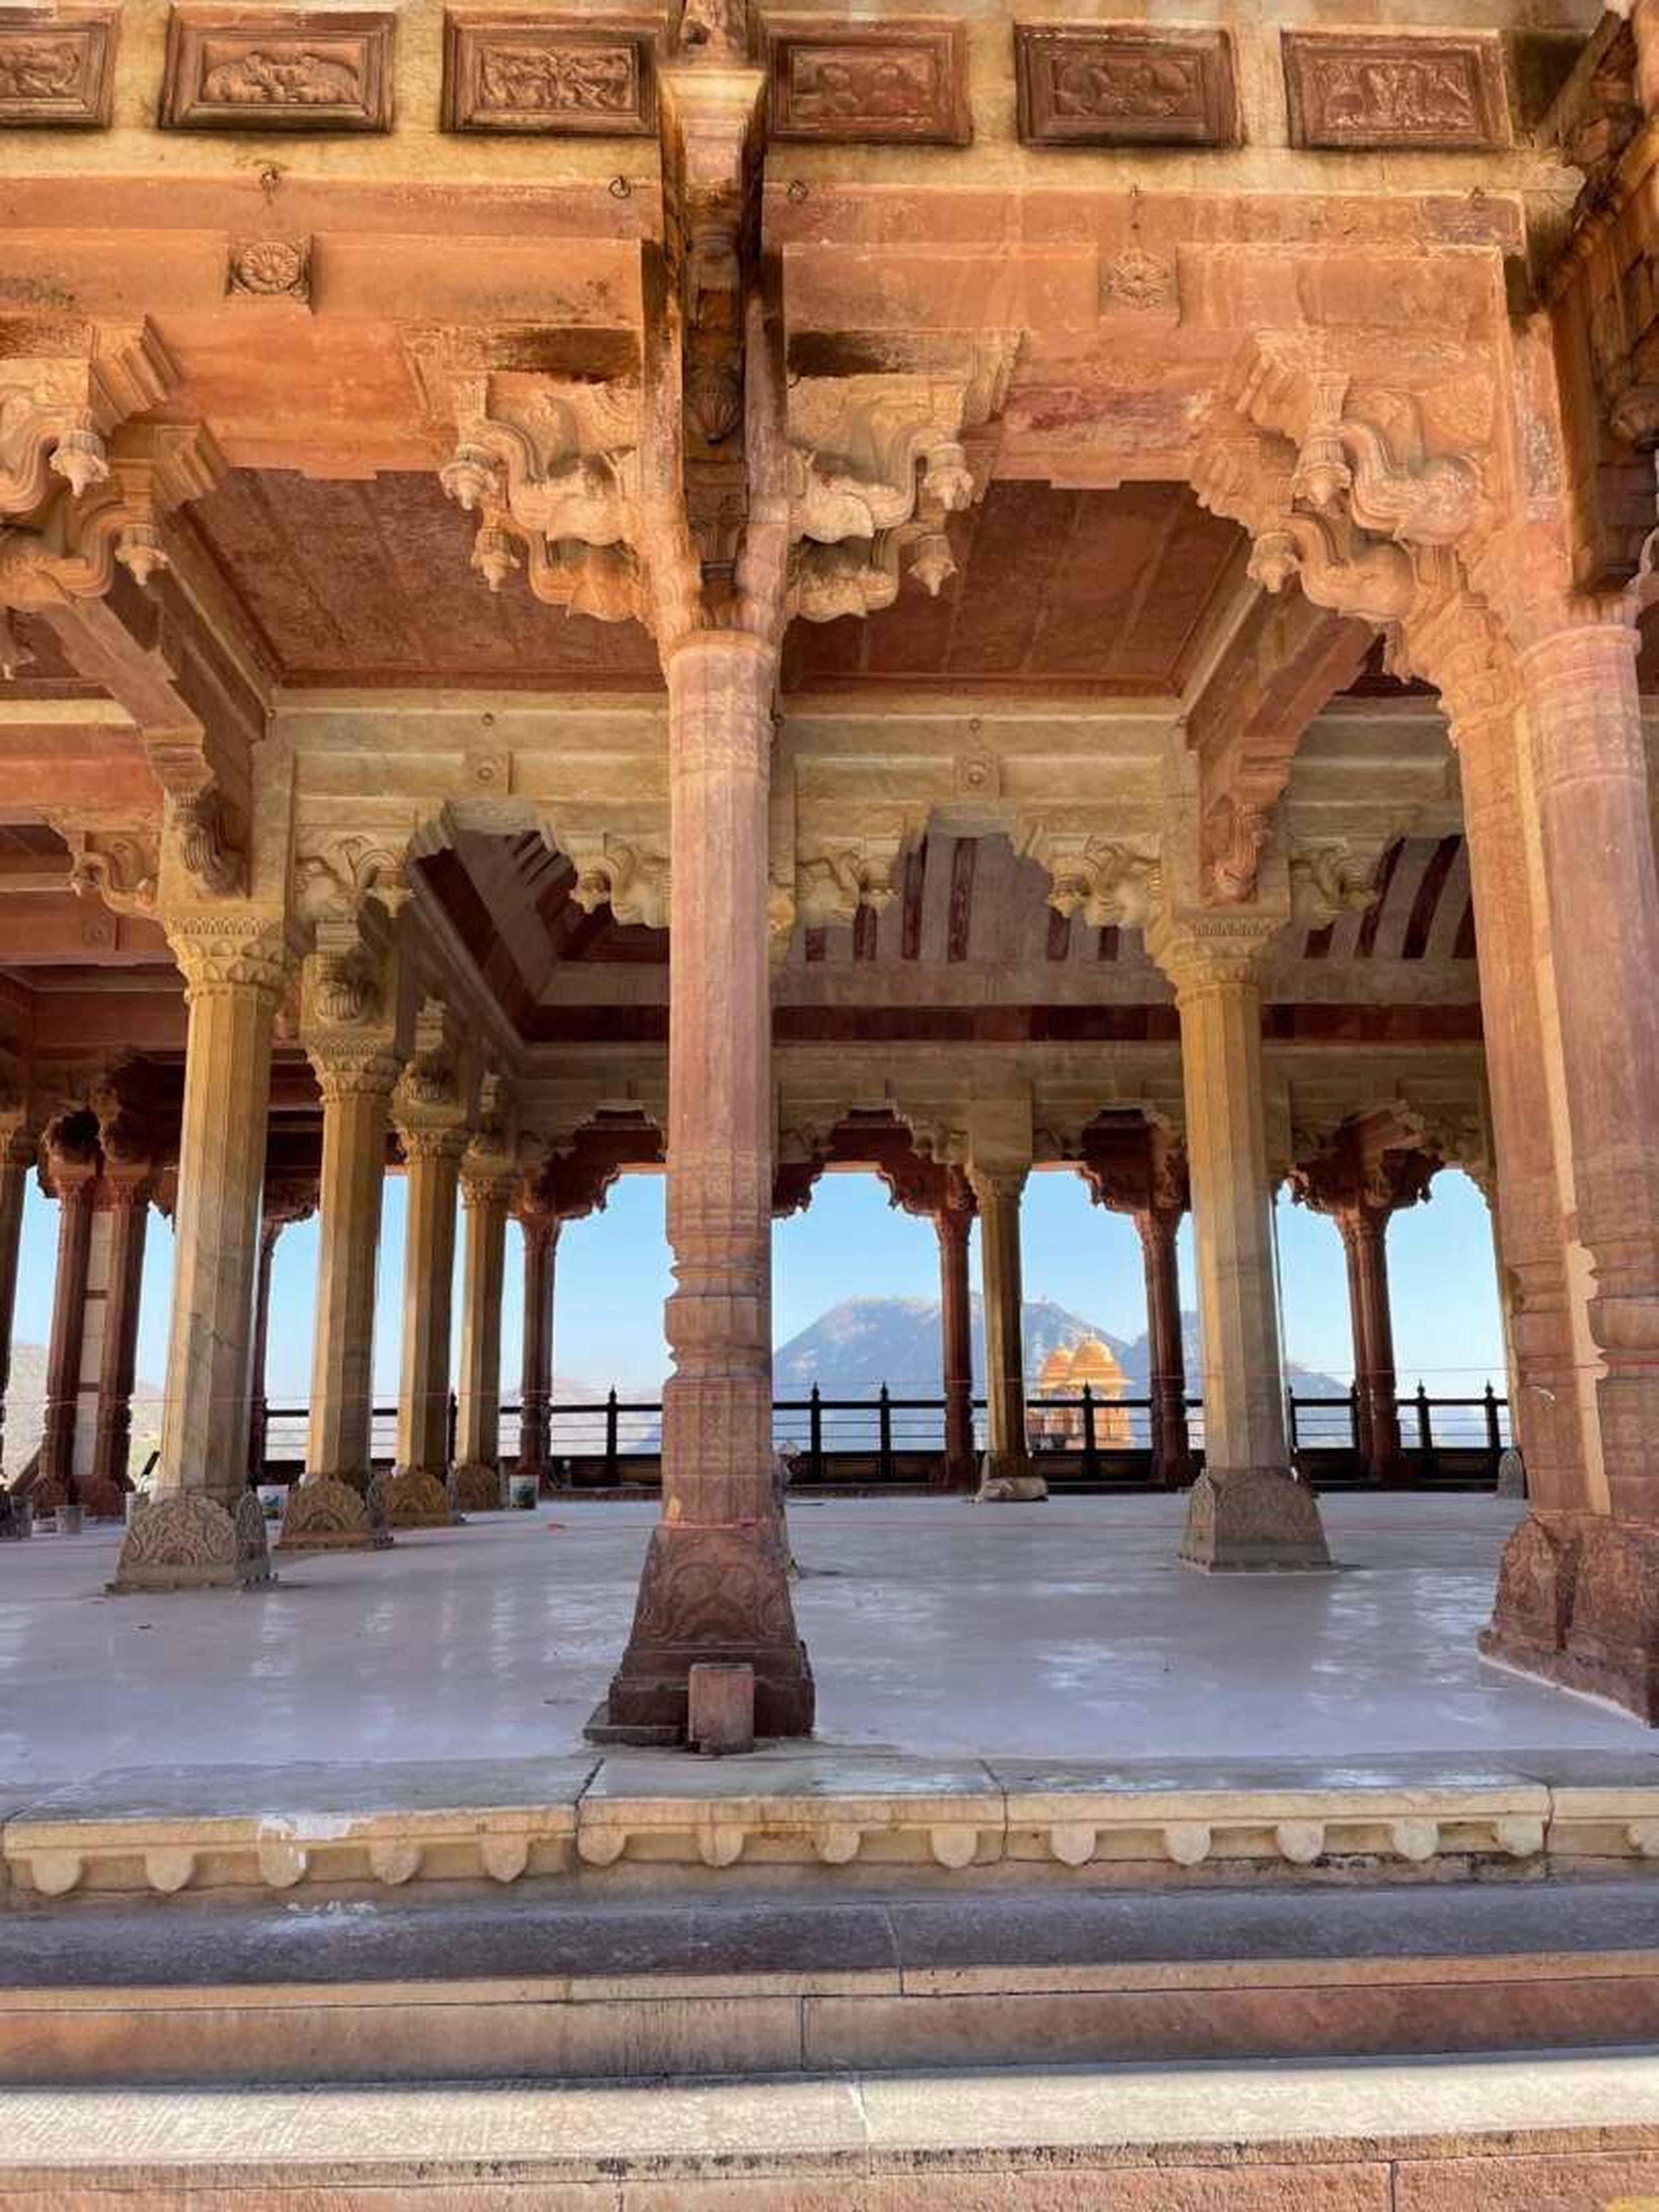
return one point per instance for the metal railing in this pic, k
(614, 1442)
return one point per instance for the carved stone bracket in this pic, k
(550, 468)
(1113, 884)
(59, 410)
(338, 875)
(626, 873)
(118, 864)
(1331, 875)
(877, 464)
(69, 546)
(837, 875)
(203, 833)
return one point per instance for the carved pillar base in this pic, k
(324, 1513)
(1251, 1518)
(478, 1488)
(191, 1540)
(415, 1499)
(1578, 1605)
(718, 1594)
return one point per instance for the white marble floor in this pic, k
(1055, 1630)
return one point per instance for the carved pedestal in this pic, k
(716, 1580)
(326, 1513)
(186, 1539)
(1245, 1518)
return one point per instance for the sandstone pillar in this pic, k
(73, 1169)
(417, 1493)
(479, 1486)
(715, 1585)
(337, 1506)
(1247, 1510)
(954, 1222)
(126, 1196)
(1590, 777)
(1364, 1231)
(17, 1156)
(1008, 1471)
(541, 1245)
(1172, 1464)
(259, 1417)
(203, 1528)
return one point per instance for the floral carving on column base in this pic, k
(325, 1513)
(475, 1488)
(1580, 1607)
(710, 1594)
(1252, 1519)
(415, 1498)
(188, 1540)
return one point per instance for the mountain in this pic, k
(855, 1347)
(25, 1404)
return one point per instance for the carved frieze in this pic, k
(250, 69)
(544, 73)
(883, 83)
(1100, 84)
(1368, 89)
(57, 67)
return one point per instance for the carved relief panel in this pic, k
(245, 70)
(1110, 85)
(541, 73)
(1365, 90)
(57, 67)
(896, 82)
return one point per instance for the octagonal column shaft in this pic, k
(433, 1157)
(1246, 1509)
(202, 1527)
(1003, 1297)
(484, 1200)
(61, 1420)
(127, 1205)
(16, 1157)
(715, 1584)
(337, 1505)
(1172, 1463)
(1365, 1232)
(541, 1245)
(953, 1224)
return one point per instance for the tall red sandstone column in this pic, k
(1591, 776)
(1172, 1462)
(73, 1168)
(18, 1151)
(477, 1483)
(541, 1244)
(128, 1196)
(998, 1192)
(953, 1223)
(1364, 1231)
(715, 1584)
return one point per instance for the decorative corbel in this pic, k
(338, 875)
(59, 410)
(1332, 875)
(117, 864)
(1113, 883)
(210, 850)
(69, 547)
(837, 875)
(625, 873)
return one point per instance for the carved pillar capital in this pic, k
(226, 950)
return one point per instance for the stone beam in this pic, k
(1283, 663)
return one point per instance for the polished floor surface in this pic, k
(1062, 1630)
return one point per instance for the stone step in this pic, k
(424, 1989)
(1559, 2132)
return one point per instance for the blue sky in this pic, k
(613, 1276)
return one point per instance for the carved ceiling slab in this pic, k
(1364, 89)
(251, 70)
(895, 82)
(1113, 85)
(544, 74)
(57, 69)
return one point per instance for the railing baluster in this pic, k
(611, 1437)
(1425, 1421)
(1089, 1467)
(885, 1420)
